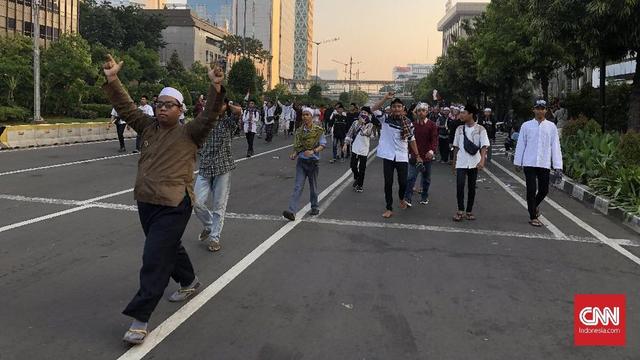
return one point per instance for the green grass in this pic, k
(57, 120)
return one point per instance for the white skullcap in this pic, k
(422, 105)
(308, 110)
(487, 109)
(169, 91)
(446, 109)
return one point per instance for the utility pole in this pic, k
(35, 17)
(244, 30)
(351, 63)
(318, 43)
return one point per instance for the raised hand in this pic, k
(111, 68)
(390, 95)
(216, 75)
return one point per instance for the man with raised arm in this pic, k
(163, 190)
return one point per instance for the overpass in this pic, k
(333, 88)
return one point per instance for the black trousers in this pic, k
(163, 258)
(461, 176)
(250, 136)
(537, 188)
(138, 142)
(358, 168)
(443, 147)
(120, 130)
(291, 127)
(269, 130)
(389, 166)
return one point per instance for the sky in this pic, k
(380, 33)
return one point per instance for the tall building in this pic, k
(273, 23)
(456, 14)
(194, 39)
(303, 51)
(218, 12)
(145, 4)
(56, 17)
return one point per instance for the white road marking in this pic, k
(64, 164)
(600, 236)
(179, 317)
(365, 224)
(549, 225)
(61, 145)
(42, 218)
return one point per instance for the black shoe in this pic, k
(314, 212)
(355, 185)
(359, 189)
(289, 215)
(135, 151)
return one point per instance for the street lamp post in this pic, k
(35, 16)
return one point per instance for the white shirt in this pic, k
(269, 113)
(115, 115)
(392, 146)
(360, 145)
(538, 145)
(477, 134)
(147, 110)
(288, 114)
(250, 125)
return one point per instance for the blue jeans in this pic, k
(338, 142)
(305, 169)
(413, 177)
(217, 188)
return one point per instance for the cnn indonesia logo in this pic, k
(599, 320)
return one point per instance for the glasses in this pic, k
(166, 104)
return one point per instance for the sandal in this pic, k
(535, 222)
(135, 336)
(470, 216)
(459, 216)
(387, 214)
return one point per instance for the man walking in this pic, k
(358, 137)
(147, 110)
(339, 131)
(214, 177)
(470, 153)
(309, 141)
(163, 190)
(250, 119)
(396, 136)
(120, 126)
(270, 118)
(537, 150)
(426, 135)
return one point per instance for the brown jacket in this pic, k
(168, 156)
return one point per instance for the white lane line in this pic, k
(85, 204)
(598, 235)
(354, 223)
(186, 311)
(64, 164)
(549, 225)
(263, 153)
(444, 229)
(42, 218)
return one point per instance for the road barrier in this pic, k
(22, 136)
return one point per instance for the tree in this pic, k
(149, 61)
(355, 96)
(243, 78)
(175, 68)
(16, 78)
(66, 70)
(120, 27)
(248, 47)
(315, 91)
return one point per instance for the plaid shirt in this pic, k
(215, 153)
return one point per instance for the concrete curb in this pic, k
(25, 136)
(588, 197)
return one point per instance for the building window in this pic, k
(11, 23)
(212, 41)
(27, 28)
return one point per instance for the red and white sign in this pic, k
(599, 320)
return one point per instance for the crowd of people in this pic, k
(411, 138)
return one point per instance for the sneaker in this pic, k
(135, 151)
(214, 246)
(408, 203)
(183, 294)
(204, 234)
(332, 161)
(424, 202)
(403, 204)
(289, 215)
(355, 185)
(359, 189)
(314, 212)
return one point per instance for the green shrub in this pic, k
(629, 148)
(103, 110)
(590, 155)
(621, 187)
(14, 113)
(84, 114)
(582, 123)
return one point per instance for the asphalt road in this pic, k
(347, 284)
